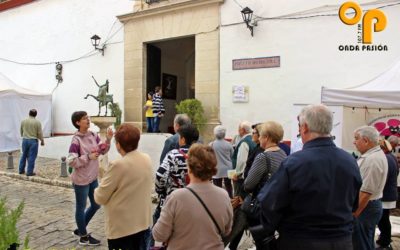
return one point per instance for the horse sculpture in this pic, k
(103, 98)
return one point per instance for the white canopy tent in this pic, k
(381, 92)
(15, 103)
(374, 102)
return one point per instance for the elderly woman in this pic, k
(223, 151)
(265, 164)
(125, 192)
(179, 226)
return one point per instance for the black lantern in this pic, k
(95, 42)
(247, 15)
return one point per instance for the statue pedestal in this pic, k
(103, 122)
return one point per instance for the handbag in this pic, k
(251, 205)
(224, 238)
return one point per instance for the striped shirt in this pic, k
(158, 105)
(259, 173)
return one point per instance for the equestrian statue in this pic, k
(103, 98)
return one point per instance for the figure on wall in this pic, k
(103, 98)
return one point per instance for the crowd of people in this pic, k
(319, 197)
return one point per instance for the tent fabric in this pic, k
(15, 103)
(380, 92)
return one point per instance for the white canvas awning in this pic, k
(15, 103)
(381, 92)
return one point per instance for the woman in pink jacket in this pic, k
(84, 151)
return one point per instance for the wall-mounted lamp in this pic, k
(95, 42)
(247, 15)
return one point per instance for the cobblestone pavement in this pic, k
(48, 216)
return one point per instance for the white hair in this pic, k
(246, 126)
(318, 118)
(393, 139)
(220, 132)
(368, 132)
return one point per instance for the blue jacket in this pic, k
(390, 189)
(313, 193)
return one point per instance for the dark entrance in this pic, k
(171, 65)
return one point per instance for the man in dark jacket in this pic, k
(310, 199)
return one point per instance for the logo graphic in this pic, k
(368, 19)
(387, 125)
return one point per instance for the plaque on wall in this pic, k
(256, 63)
(169, 84)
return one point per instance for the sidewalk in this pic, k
(48, 214)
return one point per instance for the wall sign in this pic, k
(256, 63)
(240, 93)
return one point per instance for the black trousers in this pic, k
(288, 243)
(385, 228)
(130, 242)
(227, 182)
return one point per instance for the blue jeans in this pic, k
(29, 150)
(149, 124)
(365, 224)
(83, 217)
(156, 124)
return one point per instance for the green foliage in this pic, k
(8, 225)
(116, 112)
(194, 109)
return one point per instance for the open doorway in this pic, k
(171, 65)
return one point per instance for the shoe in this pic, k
(76, 233)
(88, 240)
(33, 174)
(23, 172)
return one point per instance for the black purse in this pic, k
(251, 205)
(223, 238)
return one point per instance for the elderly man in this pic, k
(240, 155)
(374, 168)
(31, 132)
(173, 141)
(310, 199)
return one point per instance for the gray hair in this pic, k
(393, 139)
(368, 132)
(246, 126)
(182, 119)
(220, 132)
(318, 118)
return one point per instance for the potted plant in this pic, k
(9, 236)
(116, 112)
(194, 109)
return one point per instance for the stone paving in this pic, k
(48, 217)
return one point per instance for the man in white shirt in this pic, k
(373, 168)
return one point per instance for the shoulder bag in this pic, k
(250, 205)
(223, 238)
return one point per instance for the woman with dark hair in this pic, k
(84, 151)
(126, 187)
(181, 228)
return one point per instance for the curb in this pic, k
(37, 179)
(58, 183)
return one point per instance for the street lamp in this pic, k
(247, 15)
(95, 42)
